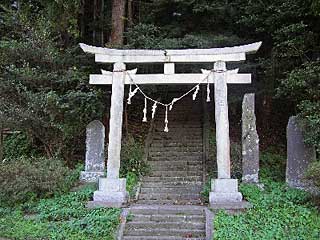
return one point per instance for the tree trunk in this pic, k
(102, 22)
(94, 32)
(118, 16)
(130, 13)
(82, 20)
(1, 142)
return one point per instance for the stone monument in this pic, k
(94, 166)
(250, 141)
(299, 155)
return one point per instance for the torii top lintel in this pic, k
(227, 54)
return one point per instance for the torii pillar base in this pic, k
(111, 193)
(224, 191)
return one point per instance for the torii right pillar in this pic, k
(223, 189)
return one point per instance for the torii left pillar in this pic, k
(112, 189)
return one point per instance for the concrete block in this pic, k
(220, 197)
(110, 197)
(224, 191)
(112, 193)
(112, 185)
(224, 185)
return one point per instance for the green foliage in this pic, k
(63, 217)
(206, 190)
(44, 90)
(132, 182)
(277, 213)
(310, 115)
(153, 37)
(302, 85)
(29, 178)
(132, 158)
(272, 166)
(313, 173)
(17, 145)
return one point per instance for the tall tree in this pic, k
(118, 19)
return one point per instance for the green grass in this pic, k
(63, 217)
(278, 212)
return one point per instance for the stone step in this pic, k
(171, 202)
(160, 238)
(180, 217)
(184, 115)
(182, 163)
(176, 149)
(176, 173)
(185, 132)
(176, 140)
(180, 189)
(172, 179)
(137, 225)
(169, 196)
(175, 144)
(180, 232)
(171, 184)
(193, 124)
(186, 168)
(197, 158)
(175, 154)
(174, 209)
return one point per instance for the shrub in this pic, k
(313, 173)
(16, 145)
(132, 158)
(277, 213)
(62, 217)
(132, 182)
(273, 166)
(24, 179)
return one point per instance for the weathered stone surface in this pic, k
(95, 161)
(222, 120)
(90, 176)
(299, 155)
(112, 192)
(224, 191)
(250, 141)
(116, 116)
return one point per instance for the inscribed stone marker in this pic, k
(95, 162)
(299, 155)
(250, 141)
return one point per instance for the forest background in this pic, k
(44, 90)
(46, 103)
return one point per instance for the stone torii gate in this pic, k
(112, 189)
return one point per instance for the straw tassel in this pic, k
(208, 92)
(154, 108)
(145, 111)
(166, 129)
(132, 93)
(194, 96)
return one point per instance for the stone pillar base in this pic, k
(111, 193)
(251, 178)
(224, 191)
(90, 176)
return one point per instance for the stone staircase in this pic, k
(169, 203)
(166, 222)
(175, 158)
